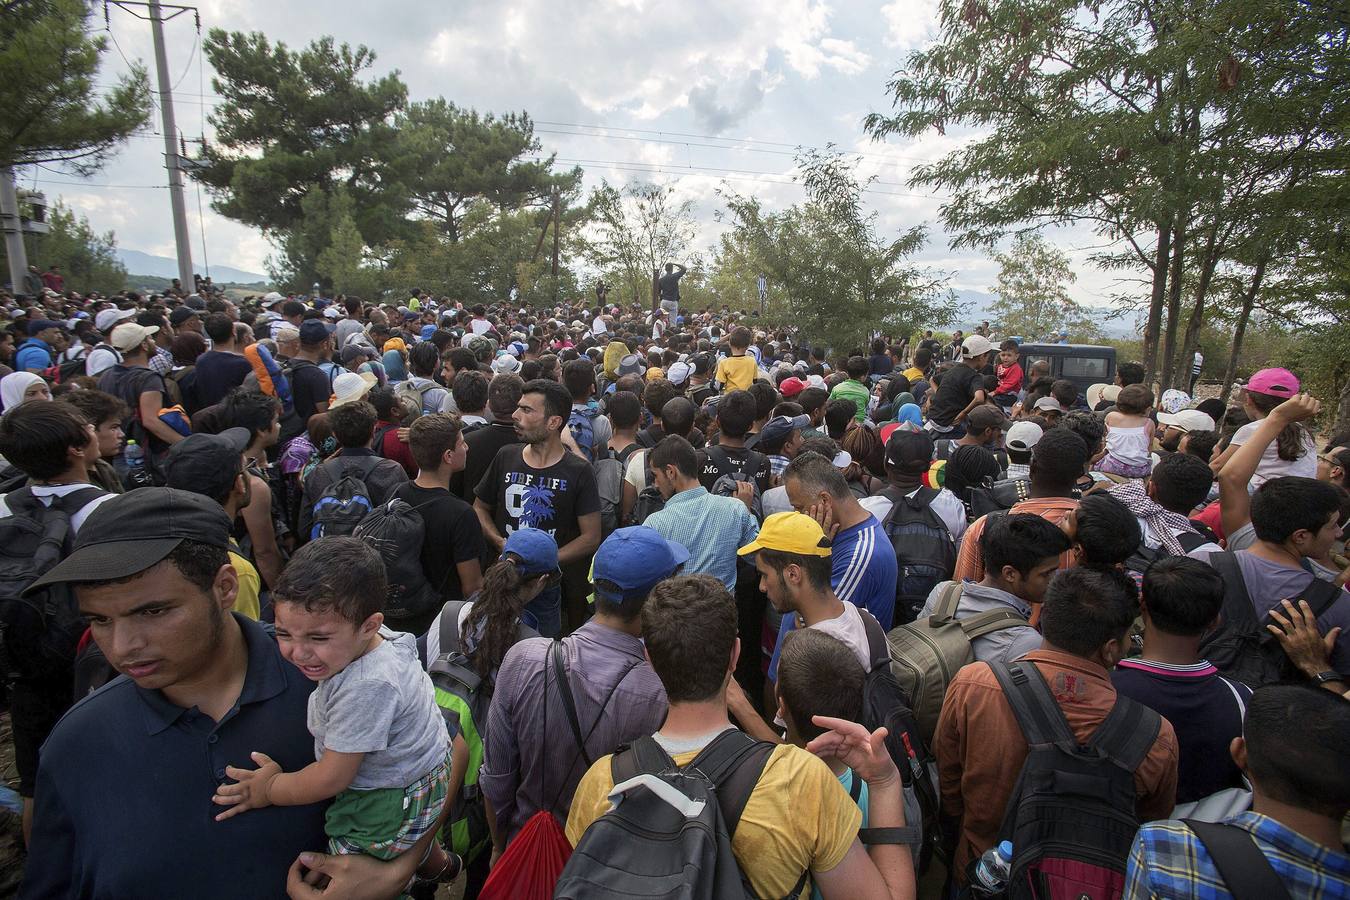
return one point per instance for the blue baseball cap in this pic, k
(427, 332)
(635, 559)
(538, 551)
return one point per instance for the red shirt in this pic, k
(392, 448)
(1009, 379)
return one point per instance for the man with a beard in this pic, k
(540, 484)
(126, 778)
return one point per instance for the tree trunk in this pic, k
(1155, 307)
(1174, 305)
(1239, 332)
(1197, 320)
(1342, 423)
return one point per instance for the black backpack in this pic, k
(1241, 648)
(345, 502)
(925, 553)
(884, 704)
(609, 471)
(396, 530)
(649, 499)
(669, 832)
(1145, 556)
(1071, 817)
(39, 630)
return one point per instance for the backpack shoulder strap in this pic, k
(948, 600)
(733, 762)
(643, 755)
(21, 501)
(878, 650)
(450, 625)
(1244, 869)
(719, 458)
(1320, 595)
(1127, 733)
(1038, 715)
(984, 623)
(1237, 603)
(77, 500)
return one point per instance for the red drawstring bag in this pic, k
(530, 867)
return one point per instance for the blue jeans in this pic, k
(544, 613)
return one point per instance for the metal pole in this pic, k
(13, 229)
(172, 161)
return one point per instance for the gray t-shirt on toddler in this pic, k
(382, 705)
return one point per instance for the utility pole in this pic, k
(172, 161)
(13, 229)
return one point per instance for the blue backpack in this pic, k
(925, 553)
(581, 422)
(345, 502)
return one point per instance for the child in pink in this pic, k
(1129, 434)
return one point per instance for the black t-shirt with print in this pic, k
(551, 499)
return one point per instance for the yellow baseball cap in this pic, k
(790, 532)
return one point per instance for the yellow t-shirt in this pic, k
(913, 373)
(246, 601)
(737, 373)
(798, 817)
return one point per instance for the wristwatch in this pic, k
(1327, 677)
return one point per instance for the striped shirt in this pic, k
(1168, 862)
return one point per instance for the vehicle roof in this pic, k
(1063, 347)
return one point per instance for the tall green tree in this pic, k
(1164, 126)
(456, 159)
(1032, 294)
(296, 123)
(52, 113)
(837, 278)
(639, 229)
(88, 260)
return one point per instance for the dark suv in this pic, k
(1083, 364)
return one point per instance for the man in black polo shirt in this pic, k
(125, 780)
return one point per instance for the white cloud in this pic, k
(910, 24)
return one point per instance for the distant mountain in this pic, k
(139, 263)
(977, 306)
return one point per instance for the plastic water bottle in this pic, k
(992, 871)
(137, 476)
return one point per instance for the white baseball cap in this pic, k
(1022, 436)
(976, 345)
(107, 319)
(1187, 420)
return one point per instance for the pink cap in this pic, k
(791, 387)
(1274, 382)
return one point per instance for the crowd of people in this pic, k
(335, 598)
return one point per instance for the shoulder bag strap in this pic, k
(1038, 715)
(1320, 595)
(1244, 869)
(569, 701)
(1127, 733)
(878, 650)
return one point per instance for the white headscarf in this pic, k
(13, 387)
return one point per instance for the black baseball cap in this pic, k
(312, 332)
(181, 315)
(204, 463)
(133, 531)
(909, 450)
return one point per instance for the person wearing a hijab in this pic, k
(20, 387)
(909, 412)
(393, 364)
(970, 466)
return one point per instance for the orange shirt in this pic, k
(969, 561)
(980, 748)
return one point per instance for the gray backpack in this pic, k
(668, 832)
(927, 654)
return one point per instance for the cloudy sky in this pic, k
(696, 93)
